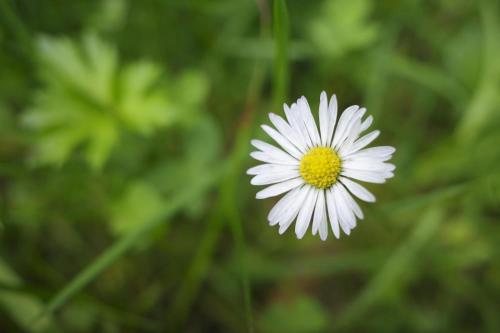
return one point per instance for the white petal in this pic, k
(284, 128)
(351, 136)
(358, 190)
(297, 110)
(268, 148)
(374, 152)
(365, 176)
(271, 168)
(293, 209)
(317, 213)
(367, 164)
(355, 157)
(274, 159)
(344, 121)
(367, 123)
(346, 217)
(282, 141)
(355, 126)
(323, 227)
(279, 188)
(297, 124)
(351, 128)
(320, 220)
(323, 118)
(356, 130)
(303, 124)
(363, 142)
(279, 209)
(309, 121)
(272, 178)
(305, 214)
(332, 111)
(332, 213)
(353, 205)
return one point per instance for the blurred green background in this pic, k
(124, 140)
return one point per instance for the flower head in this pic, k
(317, 168)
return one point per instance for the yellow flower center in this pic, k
(320, 167)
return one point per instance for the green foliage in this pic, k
(464, 63)
(343, 26)
(299, 315)
(88, 99)
(20, 304)
(281, 36)
(139, 204)
(162, 232)
(110, 16)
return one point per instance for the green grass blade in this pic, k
(198, 267)
(281, 36)
(485, 98)
(235, 224)
(196, 273)
(117, 250)
(200, 264)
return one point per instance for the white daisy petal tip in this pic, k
(253, 182)
(255, 143)
(317, 167)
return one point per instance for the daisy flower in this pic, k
(319, 170)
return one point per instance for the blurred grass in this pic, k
(281, 36)
(124, 204)
(120, 246)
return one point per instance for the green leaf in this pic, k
(87, 100)
(140, 204)
(191, 88)
(201, 147)
(343, 26)
(143, 106)
(110, 17)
